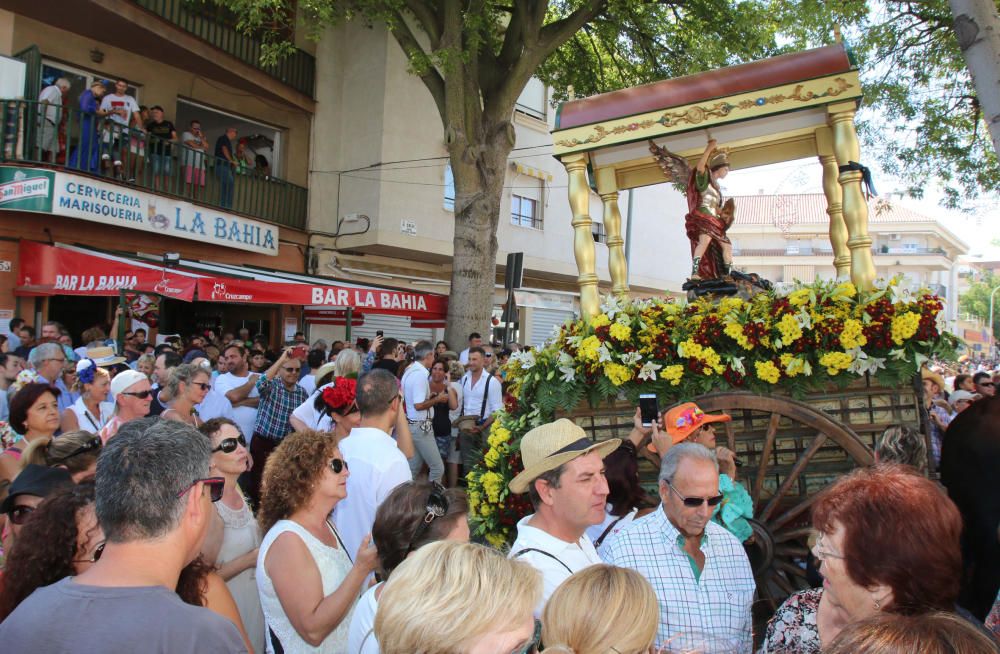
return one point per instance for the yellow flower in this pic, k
(486, 510)
(589, 347)
(672, 374)
(600, 320)
(491, 458)
(794, 366)
(904, 326)
(767, 371)
(844, 291)
(799, 298)
(492, 486)
(496, 540)
(789, 328)
(620, 332)
(707, 355)
(852, 336)
(835, 362)
(618, 374)
(734, 330)
(730, 304)
(498, 434)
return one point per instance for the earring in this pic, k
(878, 605)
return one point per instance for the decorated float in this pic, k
(810, 372)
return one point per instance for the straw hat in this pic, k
(549, 446)
(324, 369)
(926, 373)
(685, 419)
(104, 356)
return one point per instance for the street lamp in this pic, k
(990, 324)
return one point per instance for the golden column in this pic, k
(607, 187)
(834, 202)
(855, 207)
(583, 239)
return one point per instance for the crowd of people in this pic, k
(208, 494)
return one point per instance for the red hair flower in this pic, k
(341, 394)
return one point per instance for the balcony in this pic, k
(214, 25)
(84, 139)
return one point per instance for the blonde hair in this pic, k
(79, 386)
(51, 452)
(629, 619)
(928, 633)
(448, 594)
(348, 361)
(184, 373)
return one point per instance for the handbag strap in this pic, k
(339, 540)
(551, 556)
(600, 539)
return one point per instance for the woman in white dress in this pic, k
(239, 540)
(91, 411)
(307, 582)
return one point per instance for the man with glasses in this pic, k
(47, 363)
(699, 571)
(280, 394)
(32, 485)
(984, 384)
(132, 395)
(128, 595)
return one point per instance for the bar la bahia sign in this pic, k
(76, 196)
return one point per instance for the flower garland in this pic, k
(806, 339)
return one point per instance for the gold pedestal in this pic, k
(855, 207)
(834, 203)
(583, 239)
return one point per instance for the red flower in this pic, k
(341, 395)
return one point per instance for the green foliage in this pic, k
(976, 300)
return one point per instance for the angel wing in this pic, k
(675, 168)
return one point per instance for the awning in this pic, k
(531, 171)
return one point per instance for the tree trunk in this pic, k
(479, 170)
(977, 28)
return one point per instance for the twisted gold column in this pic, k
(607, 187)
(855, 207)
(834, 203)
(583, 239)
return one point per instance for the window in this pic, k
(449, 188)
(909, 247)
(533, 99)
(524, 212)
(261, 140)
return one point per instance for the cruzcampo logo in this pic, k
(26, 189)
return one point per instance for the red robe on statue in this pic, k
(699, 222)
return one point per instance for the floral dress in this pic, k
(993, 619)
(793, 628)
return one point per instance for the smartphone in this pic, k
(299, 352)
(649, 408)
(379, 333)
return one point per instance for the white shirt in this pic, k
(126, 102)
(307, 413)
(244, 416)
(463, 357)
(87, 421)
(361, 634)
(572, 557)
(377, 467)
(615, 523)
(472, 394)
(216, 405)
(416, 388)
(309, 383)
(54, 97)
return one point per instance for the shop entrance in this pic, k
(80, 312)
(186, 318)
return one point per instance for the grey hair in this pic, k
(347, 361)
(901, 444)
(43, 352)
(141, 471)
(552, 477)
(672, 459)
(183, 373)
(422, 349)
(376, 390)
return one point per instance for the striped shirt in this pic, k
(709, 611)
(276, 406)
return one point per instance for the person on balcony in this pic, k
(49, 116)
(225, 161)
(195, 147)
(163, 133)
(84, 156)
(121, 110)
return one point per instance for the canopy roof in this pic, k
(765, 111)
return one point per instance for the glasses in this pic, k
(489, 355)
(532, 645)
(437, 506)
(215, 484)
(142, 395)
(62, 360)
(229, 445)
(822, 554)
(89, 446)
(202, 385)
(95, 557)
(291, 369)
(695, 502)
(338, 466)
(987, 384)
(19, 514)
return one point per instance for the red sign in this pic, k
(49, 270)
(372, 300)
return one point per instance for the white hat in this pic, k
(124, 380)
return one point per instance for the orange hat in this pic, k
(685, 419)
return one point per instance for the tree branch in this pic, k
(429, 21)
(404, 36)
(555, 34)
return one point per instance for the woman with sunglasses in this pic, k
(91, 411)
(888, 541)
(411, 516)
(76, 451)
(132, 395)
(185, 389)
(236, 561)
(34, 413)
(307, 582)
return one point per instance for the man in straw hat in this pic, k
(564, 478)
(938, 409)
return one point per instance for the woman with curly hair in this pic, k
(76, 451)
(308, 585)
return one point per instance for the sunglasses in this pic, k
(142, 395)
(989, 384)
(215, 484)
(291, 369)
(95, 557)
(89, 446)
(695, 502)
(338, 466)
(202, 385)
(19, 514)
(229, 445)
(437, 506)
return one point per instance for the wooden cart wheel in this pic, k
(790, 451)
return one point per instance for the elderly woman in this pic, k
(888, 542)
(901, 444)
(932, 633)
(91, 411)
(478, 601)
(34, 413)
(414, 514)
(307, 583)
(75, 451)
(236, 561)
(185, 389)
(132, 395)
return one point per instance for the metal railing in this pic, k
(812, 251)
(85, 143)
(212, 23)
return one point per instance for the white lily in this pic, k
(737, 365)
(526, 358)
(803, 318)
(631, 358)
(648, 371)
(603, 353)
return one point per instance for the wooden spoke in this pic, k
(765, 456)
(791, 550)
(730, 436)
(781, 582)
(793, 512)
(792, 534)
(791, 478)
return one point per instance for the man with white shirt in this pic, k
(122, 110)
(377, 466)
(564, 478)
(475, 340)
(419, 405)
(481, 398)
(238, 385)
(49, 116)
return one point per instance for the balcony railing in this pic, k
(206, 21)
(810, 251)
(81, 142)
